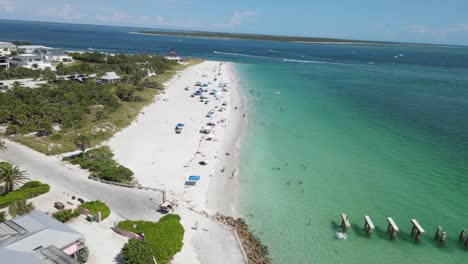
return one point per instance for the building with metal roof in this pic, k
(38, 238)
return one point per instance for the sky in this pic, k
(422, 21)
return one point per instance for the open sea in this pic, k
(359, 129)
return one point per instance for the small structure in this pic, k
(438, 233)
(345, 225)
(59, 205)
(443, 239)
(368, 225)
(417, 231)
(38, 238)
(4, 63)
(173, 55)
(165, 207)
(462, 236)
(392, 228)
(110, 77)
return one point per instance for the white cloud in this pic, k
(237, 19)
(440, 32)
(65, 12)
(7, 6)
(116, 17)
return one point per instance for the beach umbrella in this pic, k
(180, 125)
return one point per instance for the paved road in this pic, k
(129, 203)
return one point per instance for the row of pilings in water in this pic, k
(417, 231)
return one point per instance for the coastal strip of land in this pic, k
(204, 34)
(162, 158)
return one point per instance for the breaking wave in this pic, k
(242, 55)
(316, 62)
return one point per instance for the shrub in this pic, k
(2, 217)
(28, 190)
(137, 252)
(164, 237)
(66, 214)
(97, 206)
(99, 161)
(20, 207)
(82, 255)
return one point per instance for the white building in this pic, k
(6, 48)
(31, 61)
(47, 53)
(110, 77)
(173, 55)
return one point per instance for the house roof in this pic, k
(23, 237)
(32, 47)
(9, 45)
(110, 76)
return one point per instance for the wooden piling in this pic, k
(462, 236)
(368, 225)
(392, 228)
(438, 233)
(345, 225)
(443, 239)
(417, 231)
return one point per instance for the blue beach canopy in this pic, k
(180, 125)
(194, 178)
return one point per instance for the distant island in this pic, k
(206, 34)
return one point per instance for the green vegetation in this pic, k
(82, 255)
(19, 208)
(97, 206)
(22, 73)
(49, 119)
(99, 161)
(2, 146)
(2, 217)
(82, 142)
(28, 190)
(11, 177)
(162, 240)
(137, 252)
(205, 34)
(66, 214)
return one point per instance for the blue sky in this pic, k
(429, 21)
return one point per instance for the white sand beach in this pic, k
(163, 159)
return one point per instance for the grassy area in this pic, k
(99, 161)
(28, 190)
(103, 128)
(163, 239)
(97, 206)
(66, 214)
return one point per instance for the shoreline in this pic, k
(163, 159)
(223, 193)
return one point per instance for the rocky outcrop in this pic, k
(257, 253)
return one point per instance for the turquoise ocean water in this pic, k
(356, 129)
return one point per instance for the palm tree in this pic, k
(20, 207)
(11, 176)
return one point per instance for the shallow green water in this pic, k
(359, 139)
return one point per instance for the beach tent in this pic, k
(180, 125)
(194, 178)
